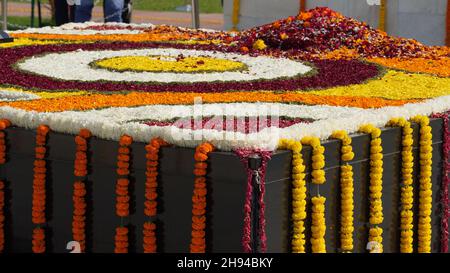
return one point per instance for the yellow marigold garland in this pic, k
(298, 195)
(376, 185)
(318, 227)
(425, 184)
(346, 181)
(407, 214)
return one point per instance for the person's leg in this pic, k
(113, 10)
(83, 12)
(61, 12)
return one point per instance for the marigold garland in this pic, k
(79, 189)
(198, 244)
(425, 184)
(376, 185)
(4, 123)
(39, 190)
(318, 159)
(318, 227)
(444, 196)
(298, 195)
(346, 181)
(122, 193)
(407, 194)
(151, 185)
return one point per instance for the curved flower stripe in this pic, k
(394, 85)
(346, 180)
(39, 189)
(4, 123)
(298, 195)
(28, 42)
(79, 190)
(122, 192)
(425, 184)
(198, 244)
(163, 33)
(98, 101)
(376, 186)
(330, 73)
(407, 193)
(151, 195)
(437, 66)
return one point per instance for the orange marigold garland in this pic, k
(39, 189)
(122, 195)
(151, 195)
(3, 125)
(79, 190)
(198, 244)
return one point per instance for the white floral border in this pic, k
(334, 118)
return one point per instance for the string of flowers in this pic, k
(318, 226)
(151, 185)
(298, 195)
(244, 155)
(346, 181)
(122, 193)
(198, 244)
(376, 186)
(39, 190)
(407, 194)
(445, 182)
(425, 184)
(382, 18)
(79, 189)
(235, 16)
(4, 123)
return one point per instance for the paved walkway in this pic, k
(210, 20)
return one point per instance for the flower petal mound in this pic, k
(306, 75)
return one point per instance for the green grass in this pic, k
(206, 6)
(19, 22)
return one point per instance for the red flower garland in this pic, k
(38, 213)
(198, 244)
(151, 185)
(79, 190)
(4, 123)
(122, 195)
(244, 155)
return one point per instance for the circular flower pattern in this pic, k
(71, 71)
(54, 65)
(177, 64)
